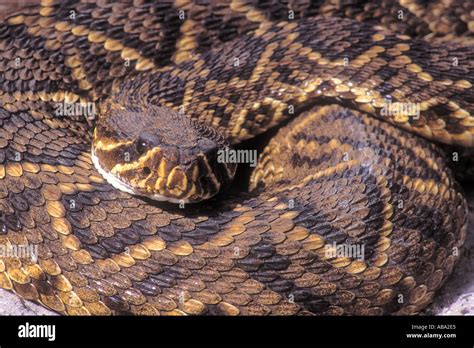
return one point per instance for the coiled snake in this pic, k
(172, 85)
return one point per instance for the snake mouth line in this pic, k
(122, 186)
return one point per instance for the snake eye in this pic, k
(141, 146)
(146, 141)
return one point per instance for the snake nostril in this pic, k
(146, 171)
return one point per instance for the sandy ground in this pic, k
(10, 304)
(456, 297)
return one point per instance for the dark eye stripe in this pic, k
(208, 181)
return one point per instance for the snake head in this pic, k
(156, 152)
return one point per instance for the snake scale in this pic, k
(199, 75)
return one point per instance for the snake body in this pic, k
(339, 171)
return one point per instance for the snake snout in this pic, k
(193, 174)
(181, 171)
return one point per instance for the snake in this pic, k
(115, 118)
